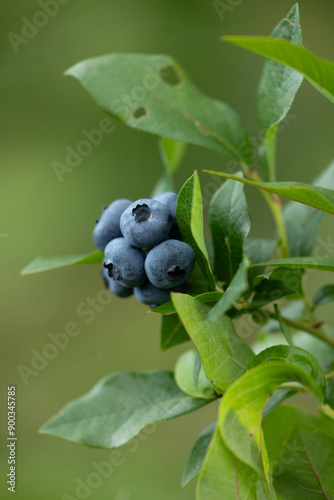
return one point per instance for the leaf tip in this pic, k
(43, 429)
(295, 9)
(227, 38)
(73, 71)
(184, 482)
(68, 71)
(25, 270)
(28, 269)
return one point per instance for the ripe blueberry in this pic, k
(107, 226)
(116, 287)
(124, 263)
(169, 199)
(152, 296)
(145, 223)
(170, 264)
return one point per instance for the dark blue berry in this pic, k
(125, 263)
(145, 223)
(170, 264)
(107, 226)
(169, 199)
(152, 296)
(116, 287)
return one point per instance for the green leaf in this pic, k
(230, 224)
(198, 282)
(172, 332)
(242, 407)
(327, 409)
(299, 217)
(323, 352)
(195, 384)
(41, 264)
(277, 398)
(166, 308)
(318, 71)
(264, 340)
(301, 451)
(285, 274)
(294, 310)
(330, 393)
(234, 291)
(206, 298)
(197, 454)
(317, 197)
(278, 283)
(324, 295)
(224, 355)
(314, 457)
(172, 153)
(189, 213)
(119, 406)
(224, 476)
(302, 225)
(295, 356)
(277, 89)
(258, 250)
(320, 264)
(154, 94)
(209, 297)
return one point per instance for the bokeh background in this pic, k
(42, 112)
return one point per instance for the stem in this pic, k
(275, 206)
(329, 375)
(309, 309)
(306, 328)
(278, 216)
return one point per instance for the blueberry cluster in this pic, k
(143, 249)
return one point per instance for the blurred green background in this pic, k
(42, 113)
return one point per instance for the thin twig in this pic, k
(317, 332)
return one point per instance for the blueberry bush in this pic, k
(210, 290)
